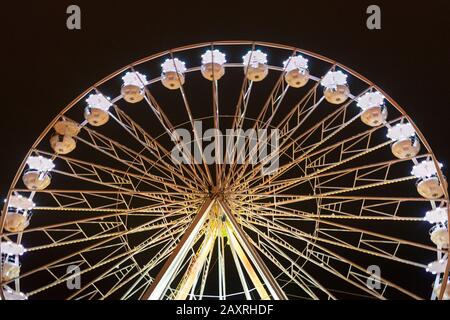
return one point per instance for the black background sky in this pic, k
(45, 65)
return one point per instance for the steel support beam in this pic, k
(188, 283)
(162, 281)
(267, 277)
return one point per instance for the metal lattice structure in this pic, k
(356, 187)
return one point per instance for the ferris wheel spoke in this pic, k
(300, 114)
(104, 234)
(148, 142)
(294, 272)
(238, 120)
(112, 177)
(355, 176)
(370, 235)
(326, 129)
(113, 256)
(216, 115)
(283, 228)
(117, 179)
(160, 256)
(197, 135)
(321, 265)
(356, 271)
(85, 201)
(272, 103)
(119, 271)
(329, 157)
(361, 209)
(106, 242)
(290, 183)
(170, 130)
(240, 109)
(96, 201)
(195, 171)
(153, 146)
(134, 272)
(102, 222)
(163, 254)
(361, 274)
(125, 155)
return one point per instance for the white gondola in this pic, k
(374, 116)
(374, 111)
(439, 236)
(172, 76)
(255, 65)
(437, 215)
(133, 87)
(430, 188)
(428, 184)
(406, 148)
(96, 112)
(297, 73)
(336, 89)
(37, 177)
(16, 221)
(405, 143)
(213, 64)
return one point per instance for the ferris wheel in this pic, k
(139, 189)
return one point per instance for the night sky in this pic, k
(45, 65)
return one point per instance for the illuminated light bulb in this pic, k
(173, 65)
(436, 215)
(401, 131)
(333, 79)
(40, 163)
(254, 58)
(370, 99)
(425, 169)
(214, 56)
(99, 101)
(135, 79)
(20, 202)
(295, 63)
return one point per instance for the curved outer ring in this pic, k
(236, 42)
